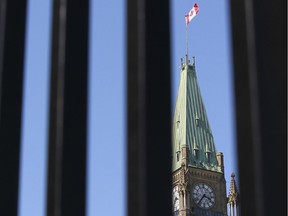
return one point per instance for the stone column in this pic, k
(231, 209)
(188, 200)
(181, 200)
(185, 158)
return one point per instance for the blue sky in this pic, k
(208, 41)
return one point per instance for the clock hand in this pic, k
(201, 198)
(208, 197)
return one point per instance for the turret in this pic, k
(233, 197)
(185, 155)
(220, 160)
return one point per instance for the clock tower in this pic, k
(199, 186)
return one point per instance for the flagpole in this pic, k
(186, 44)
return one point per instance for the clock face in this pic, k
(175, 199)
(203, 196)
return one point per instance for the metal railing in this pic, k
(260, 95)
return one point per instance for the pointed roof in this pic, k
(190, 124)
(233, 192)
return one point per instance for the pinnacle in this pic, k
(233, 193)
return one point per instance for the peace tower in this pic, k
(199, 186)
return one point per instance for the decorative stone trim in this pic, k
(207, 175)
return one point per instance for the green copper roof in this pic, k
(190, 125)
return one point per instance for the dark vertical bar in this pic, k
(245, 147)
(68, 109)
(270, 33)
(260, 49)
(149, 125)
(12, 43)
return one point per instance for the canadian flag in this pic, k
(192, 13)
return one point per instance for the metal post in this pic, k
(66, 195)
(12, 44)
(260, 77)
(149, 113)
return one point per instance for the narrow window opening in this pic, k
(178, 155)
(178, 122)
(197, 119)
(196, 152)
(208, 155)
